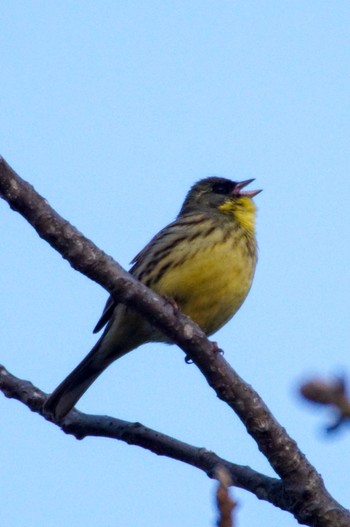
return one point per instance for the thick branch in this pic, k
(310, 501)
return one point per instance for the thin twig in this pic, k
(225, 503)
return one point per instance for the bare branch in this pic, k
(82, 425)
(310, 502)
(224, 501)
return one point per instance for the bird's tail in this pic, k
(68, 393)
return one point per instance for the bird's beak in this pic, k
(248, 193)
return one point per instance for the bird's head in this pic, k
(223, 196)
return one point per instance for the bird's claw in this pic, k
(215, 348)
(173, 303)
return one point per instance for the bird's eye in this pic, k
(223, 187)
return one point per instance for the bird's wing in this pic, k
(151, 248)
(137, 262)
(164, 243)
(159, 246)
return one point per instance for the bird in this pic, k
(204, 262)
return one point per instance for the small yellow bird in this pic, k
(205, 261)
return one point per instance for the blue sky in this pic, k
(112, 110)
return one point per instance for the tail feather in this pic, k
(73, 387)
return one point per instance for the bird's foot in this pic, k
(173, 303)
(215, 348)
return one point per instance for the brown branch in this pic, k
(82, 425)
(225, 503)
(309, 501)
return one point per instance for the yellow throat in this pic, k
(243, 211)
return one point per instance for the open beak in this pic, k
(248, 193)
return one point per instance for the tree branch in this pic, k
(304, 489)
(82, 425)
(225, 503)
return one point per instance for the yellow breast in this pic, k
(211, 280)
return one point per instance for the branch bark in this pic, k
(82, 425)
(304, 493)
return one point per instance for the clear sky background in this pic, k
(112, 110)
